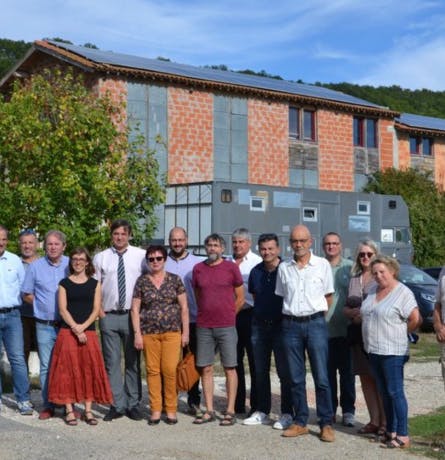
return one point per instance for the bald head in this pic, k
(177, 240)
(301, 241)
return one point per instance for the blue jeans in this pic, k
(46, 338)
(266, 338)
(340, 360)
(388, 373)
(310, 336)
(11, 335)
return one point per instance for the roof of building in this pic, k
(116, 63)
(420, 121)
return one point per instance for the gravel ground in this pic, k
(25, 437)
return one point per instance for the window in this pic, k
(420, 145)
(301, 124)
(365, 132)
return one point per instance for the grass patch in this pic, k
(426, 349)
(428, 433)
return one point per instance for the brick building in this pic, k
(210, 126)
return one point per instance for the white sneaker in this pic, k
(257, 418)
(283, 423)
(348, 419)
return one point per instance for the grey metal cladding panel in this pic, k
(239, 122)
(108, 57)
(239, 172)
(137, 109)
(221, 137)
(221, 104)
(158, 95)
(221, 153)
(136, 91)
(221, 120)
(420, 121)
(239, 138)
(239, 156)
(222, 171)
(239, 106)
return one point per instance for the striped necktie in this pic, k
(121, 281)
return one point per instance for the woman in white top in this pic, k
(388, 313)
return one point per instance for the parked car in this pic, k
(424, 289)
(433, 271)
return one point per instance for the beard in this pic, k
(212, 257)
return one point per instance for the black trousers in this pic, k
(244, 346)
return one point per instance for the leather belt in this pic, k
(48, 322)
(117, 312)
(8, 309)
(304, 319)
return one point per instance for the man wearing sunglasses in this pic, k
(117, 269)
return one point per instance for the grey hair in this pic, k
(242, 233)
(57, 233)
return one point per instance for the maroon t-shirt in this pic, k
(215, 284)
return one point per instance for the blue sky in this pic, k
(376, 42)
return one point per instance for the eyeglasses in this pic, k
(78, 259)
(299, 241)
(28, 231)
(331, 244)
(152, 259)
(362, 255)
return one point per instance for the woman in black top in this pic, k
(77, 369)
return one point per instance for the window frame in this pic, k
(298, 129)
(420, 142)
(361, 132)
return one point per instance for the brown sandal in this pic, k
(70, 421)
(228, 420)
(369, 428)
(206, 417)
(90, 420)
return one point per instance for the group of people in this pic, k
(349, 317)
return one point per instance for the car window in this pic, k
(411, 274)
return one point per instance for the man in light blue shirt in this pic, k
(12, 274)
(181, 263)
(40, 288)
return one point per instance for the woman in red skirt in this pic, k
(77, 371)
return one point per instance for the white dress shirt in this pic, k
(106, 263)
(249, 261)
(304, 290)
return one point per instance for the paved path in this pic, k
(28, 438)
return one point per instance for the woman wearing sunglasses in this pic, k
(160, 319)
(361, 282)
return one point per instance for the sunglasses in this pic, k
(152, 259)
(362, 255)
(28, 231)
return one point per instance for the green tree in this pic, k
(65, 164)
(426, 210)
(10, 52)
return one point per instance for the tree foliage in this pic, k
(10, 52)
(65, 164)
(426, 209)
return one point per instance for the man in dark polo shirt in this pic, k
(266, 334)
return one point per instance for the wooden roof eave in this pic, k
(417, 131)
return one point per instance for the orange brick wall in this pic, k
(439, 159)
(117, 91)
(268, 144)
(335, 156)
(403, 149)
(190, 136)
(386, 141)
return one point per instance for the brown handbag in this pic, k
(186, 373)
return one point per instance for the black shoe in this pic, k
(112, 414)
(134, 413)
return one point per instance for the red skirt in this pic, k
(77, 372)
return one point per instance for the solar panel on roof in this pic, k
(222, 76)
(420, 121)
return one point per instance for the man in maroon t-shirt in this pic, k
(219, 293)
